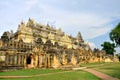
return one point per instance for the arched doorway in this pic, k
(28, 60)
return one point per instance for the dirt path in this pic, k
(100, 75)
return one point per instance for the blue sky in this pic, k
(93, 18)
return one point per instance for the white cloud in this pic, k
(72, 22)
(30, 4)
(92, 45)
(98, 31)
(117, 50)
(88, 17)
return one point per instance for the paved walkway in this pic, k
(100, 75)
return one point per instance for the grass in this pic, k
(112, 69)
(28, 72)
(73, 75)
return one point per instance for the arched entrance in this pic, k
(29, 61)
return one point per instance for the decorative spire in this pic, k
(22, 22)
(21, 26)
(79, 37)
(48, 25)
(30, 23)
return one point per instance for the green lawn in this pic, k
(73, 75)
(112, 69)
(28, 72)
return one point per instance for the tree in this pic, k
(119, 56)
(108, 47)
(115, 35)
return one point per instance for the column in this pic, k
(24, 61)
(15, 59)
(18, 59)
(10, 59)
(6, 59)
(48, 60)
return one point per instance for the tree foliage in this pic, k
(119, 56)
(115, 35)
(108, 47)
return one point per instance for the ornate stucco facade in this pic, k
(31, 31)
(35, 45)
